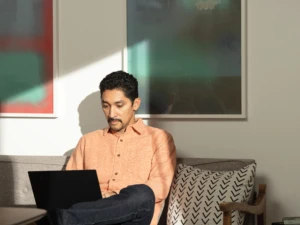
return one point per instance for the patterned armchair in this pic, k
(214, 192)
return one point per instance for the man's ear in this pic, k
(136, 104)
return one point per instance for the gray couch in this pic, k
(15, 188)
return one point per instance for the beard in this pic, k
(115, 127)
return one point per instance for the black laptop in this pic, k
(63, 188)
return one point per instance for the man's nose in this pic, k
(112, 112)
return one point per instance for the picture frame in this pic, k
(29, 50)
(145, 56)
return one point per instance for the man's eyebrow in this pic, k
(117, 102)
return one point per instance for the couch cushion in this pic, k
(15, 187)
(196, 193)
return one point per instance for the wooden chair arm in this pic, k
(258, 208)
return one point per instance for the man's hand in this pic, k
(106, 194)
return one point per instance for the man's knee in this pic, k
(145, 193)
(141, 193)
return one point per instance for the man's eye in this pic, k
(119, 106)
(104, 106)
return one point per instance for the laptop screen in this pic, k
(62, 189)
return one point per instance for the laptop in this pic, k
(63, 188)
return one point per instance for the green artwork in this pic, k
(186, 56)
(21, 78)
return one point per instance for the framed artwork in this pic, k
(27, 68)
(188, 57)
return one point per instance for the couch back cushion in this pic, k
(15, 187)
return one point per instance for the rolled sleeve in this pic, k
(163, 168)
(76, 161)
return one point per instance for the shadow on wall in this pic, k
(91, 117)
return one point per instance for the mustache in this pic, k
(112, 119)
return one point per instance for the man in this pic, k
(135, 163)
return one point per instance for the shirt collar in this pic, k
(138, 127)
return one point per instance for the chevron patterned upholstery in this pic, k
(196, 193)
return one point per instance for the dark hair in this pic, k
(122, 81)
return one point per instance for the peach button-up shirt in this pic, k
(142, 155)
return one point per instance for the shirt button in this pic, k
(118, 155)
(116, 173)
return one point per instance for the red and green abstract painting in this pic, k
(26, 57)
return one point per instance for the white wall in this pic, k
(90, 38)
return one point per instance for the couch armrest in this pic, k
(259, 207)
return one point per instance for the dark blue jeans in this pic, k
(134, 205)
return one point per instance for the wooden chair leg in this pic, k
(261, 219)
(227, 218)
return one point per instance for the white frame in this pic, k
(242, 115)
(55, 75)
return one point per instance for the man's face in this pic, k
(118, 109)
